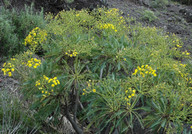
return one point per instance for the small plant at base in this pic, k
(159, 3)
(149, 15)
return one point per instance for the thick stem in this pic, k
(76, 101)
(76, 105)
(73, 123)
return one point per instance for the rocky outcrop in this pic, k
(187, 14)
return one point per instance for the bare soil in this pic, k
(174, 18)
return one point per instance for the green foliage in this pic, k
(148, 15)
(113, 107)
(12, 117)
(165, 115)
(159, 3)
(15, 26)
(111, 65)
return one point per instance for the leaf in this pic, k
(118, 66)
(163, 123)
(156, 123)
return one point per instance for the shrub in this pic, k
(15, 26)
(159, 3)
(109, 64)
(148, 15)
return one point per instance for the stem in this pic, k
(73, 123)
(76, 104)
(76, 101)
(20, 73)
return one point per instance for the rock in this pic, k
(187, 14)
(183, 11)
(146, 2)
(170, 19)
(189, 17)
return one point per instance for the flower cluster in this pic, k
(186, 53)
(129, 93)
(71, 53)
(33, 62)
(176, 43)
(145, 70)
(113, 12)
(85, 91)
(121, 20)
(46, 85)
(90, 87)
(107, 26)
(35, 37)
(8, 68)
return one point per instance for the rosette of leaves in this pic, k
(110, 57)
(165, 115)
(110, 112)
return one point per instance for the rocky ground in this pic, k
(173, 18)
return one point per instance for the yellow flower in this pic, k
(94, 90)
(84, 90)
(30, 65)
(52, 85)
(133, 94)
(4, 64)
(35, 67)
(136, 71)
(179, 46)
(42, 92)
(50, 80)
(58, 82)
(124, 59)
(9, 74)
(129, 96)
(134, 91)
(36, 60)
(187, 53)
(12, 69)
(83, 94)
